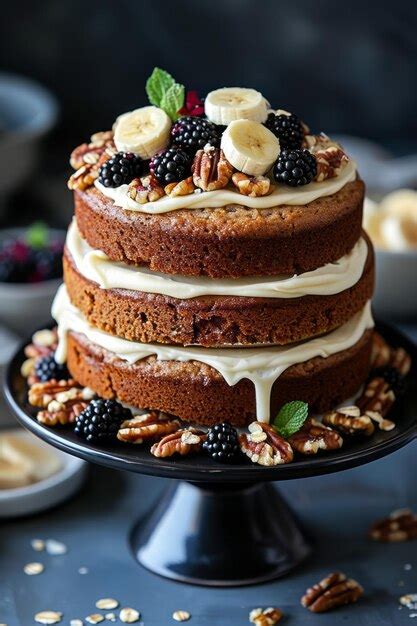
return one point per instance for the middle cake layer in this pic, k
(140, 305)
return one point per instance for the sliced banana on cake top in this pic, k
(144, 131)
(250, 147)
(226, 105)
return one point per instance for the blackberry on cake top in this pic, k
(171, 166)
(287, 127)
(121, 169)
(193, 133)
(295, 168)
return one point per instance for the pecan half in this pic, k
(147, 427)
(333, 591)
(145, 189)
(265, 617)
(183, 188)
(381, 351)
(400, 525)
(61, 413)
(41, 394)
(348, 424)
(377, 396)
(252, 186)
(314, 436)
(264, 446)
(211, 170)
(88, 158)
(329, 155)
(184, 441)
(401, 360)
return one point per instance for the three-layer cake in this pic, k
(216, 267)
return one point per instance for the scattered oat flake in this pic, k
(107, 603)
(76, 622)
(95, 618)
(55, 548)
(38, 545)
(129, 616)
(33, 569)
(83, 571)
(181, 616)
(48, 617)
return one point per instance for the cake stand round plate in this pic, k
(221, 525)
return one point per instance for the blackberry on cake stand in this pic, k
(220, 524)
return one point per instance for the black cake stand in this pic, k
(221, 525)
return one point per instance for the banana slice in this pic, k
(143, 131)
(235, 103)
(250, 147)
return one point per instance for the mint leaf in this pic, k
(37, 235)
(290, 418)
(157, 85)
(173, 100)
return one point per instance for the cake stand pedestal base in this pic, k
(220, 535)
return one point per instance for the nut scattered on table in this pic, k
(409, 600)
(106, 604)
(48, 617)
(181, 616)
(95, 618)
(265, 617)
(314, 436)
(55, 548)
(129, 616)
(400, 525)
(333, 591)
(268, 450)
(33, 569)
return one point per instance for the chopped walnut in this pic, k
(145, 189)
(87, 159)
(348, 424)
(147, 427)
(264, 446)
(400, 525)
(184, 441)
(333, 591)
(183, 188)
(377, 396)
(329, 156)
(252, 186)
(42, 393)
(211, 170)
(265, 617)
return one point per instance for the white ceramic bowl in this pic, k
(24, 307)
(27, 112)
(396, 284)
(46, 493)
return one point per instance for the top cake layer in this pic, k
(226, 189)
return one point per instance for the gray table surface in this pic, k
(337, 509)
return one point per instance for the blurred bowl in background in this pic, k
(27, 112)
(396, 284)
(26, 306)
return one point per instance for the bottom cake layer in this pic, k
(198, 393)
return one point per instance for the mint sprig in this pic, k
(290, 418)
(164, 92)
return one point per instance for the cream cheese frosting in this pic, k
(222, 197)
(330, 279)
(262, 366)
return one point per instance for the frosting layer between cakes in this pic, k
(262, 366)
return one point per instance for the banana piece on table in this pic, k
(226, 105)
(13, 475)
(34, 459)
(144, 131)
(250, 147)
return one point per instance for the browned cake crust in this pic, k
(228, 241)
(196, 392)
(214, 320)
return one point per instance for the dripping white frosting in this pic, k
(261, 365)
(330, 279)
(222, 197)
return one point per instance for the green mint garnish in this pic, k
(37, 235)
(164, 92)
(290, 418)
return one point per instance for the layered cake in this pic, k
(216, 266)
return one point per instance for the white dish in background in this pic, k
(24, 307)
(45, 493)
(396, 284)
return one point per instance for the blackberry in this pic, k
(295, 168)
(48, 263)
(47, 368)
(193, 133)
(392, 377)
(222, 443)
(171, 166)
(287, 128)
(121, 169)
(101, 420)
